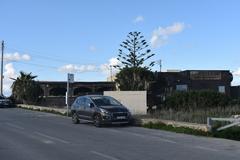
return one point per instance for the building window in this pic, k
(182, 87)
(221, 89)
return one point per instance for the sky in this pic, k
(51, 38)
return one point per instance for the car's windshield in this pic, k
(105, 101)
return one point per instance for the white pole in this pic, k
(67, 95)
(1, 90)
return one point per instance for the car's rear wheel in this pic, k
(97, 120)
(75, 119)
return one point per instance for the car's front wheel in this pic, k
(75, 119)
(97, 120)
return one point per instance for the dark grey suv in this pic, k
(99, 110)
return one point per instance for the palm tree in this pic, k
(25, 89)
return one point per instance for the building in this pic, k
(235, 92)
(215, 80)
(59, 88)
(189, 80)
(53, 92)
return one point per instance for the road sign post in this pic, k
(70, 79)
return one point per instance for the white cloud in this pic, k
(7, 82)
(16, 57)
(236, 77)
(237, 72)
(71, 68)
(93, 48)
(9, 70)
(105, 68)
(138, 19)
(161, 34)
(114, 61)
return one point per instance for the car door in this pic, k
(80, 108)
(89, 111)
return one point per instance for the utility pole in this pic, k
(111, 73)
(160, 65)
(1, 91)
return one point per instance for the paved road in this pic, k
(27, 135)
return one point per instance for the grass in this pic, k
(196, 115)
(231, 133)
(45, 110)
(171, 128)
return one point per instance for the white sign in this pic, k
(70, 78)
(66, 99)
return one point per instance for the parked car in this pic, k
(100, 110)
(5, 102)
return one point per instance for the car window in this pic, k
(87, 102)
(79, 102)
(105, 101)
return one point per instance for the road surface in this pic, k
(30, 135)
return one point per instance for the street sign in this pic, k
(70, 78)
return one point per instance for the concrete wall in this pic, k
(135, 101)
(58, 102)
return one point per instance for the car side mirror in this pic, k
(91, 105)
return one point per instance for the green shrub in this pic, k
(195, 99)
(185, 130)
(231, 133)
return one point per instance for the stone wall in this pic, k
(56, 102)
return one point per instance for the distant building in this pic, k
(54, 92)
(216, 80)
(59, 88)
(189, 80)
(235, 91)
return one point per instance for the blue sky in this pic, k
(51, 38)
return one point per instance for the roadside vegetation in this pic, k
(135, 72)
(43, 109)
(196, 106)
(25, 89)
(231, 133)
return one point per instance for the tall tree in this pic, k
(25, 89)
(134, 72)
(134, 78)
(134, 52)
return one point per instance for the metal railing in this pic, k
(234, 121)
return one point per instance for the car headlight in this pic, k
(104, 112)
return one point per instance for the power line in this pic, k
(34, 54)
(54, 67)
(53, 59)
(36, 64)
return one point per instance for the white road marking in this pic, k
(14, 126)
(104, 155)
(114, 130)
(48, 141)
(206, 148)
(144, 136)
(166, 140)
(53, 138)
(163, 135)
